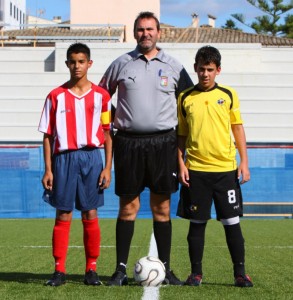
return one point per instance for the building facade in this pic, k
(111, 12)
(12, 13)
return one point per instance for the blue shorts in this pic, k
(75, 181)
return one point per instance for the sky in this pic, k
(173, 12)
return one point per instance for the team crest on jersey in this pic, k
(193, 208)
(164, 81)
(221, 101)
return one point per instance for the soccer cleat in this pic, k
(57, 279)
(243, 281)
(91, 278)
(193, 280)
(171, 279)
(118, 279)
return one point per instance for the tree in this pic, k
(230, 24)
(268, 24)
(287, 28)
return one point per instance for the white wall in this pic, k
(263, 78)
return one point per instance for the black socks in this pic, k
(235, 242)
(196, 238)
(124, 234)
(163, 235)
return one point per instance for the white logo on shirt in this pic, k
(65, 111)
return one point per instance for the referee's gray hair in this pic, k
(146, 15)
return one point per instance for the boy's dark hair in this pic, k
(146, 15)
(207, 55)
(79, 48)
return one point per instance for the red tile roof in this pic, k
(217, 35)
(169, 34)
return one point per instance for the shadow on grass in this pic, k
(42, 278)
(217, 284)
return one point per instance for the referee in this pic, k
(145, 146)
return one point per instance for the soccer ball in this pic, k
(149, 271)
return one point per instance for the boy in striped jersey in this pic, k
(76, 122)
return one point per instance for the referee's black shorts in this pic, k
(145, 160)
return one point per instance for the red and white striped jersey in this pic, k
(76, 121)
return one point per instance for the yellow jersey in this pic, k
(205, 118)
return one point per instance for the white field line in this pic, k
(151, 293)
(182, 247)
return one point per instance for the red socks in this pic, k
(91, 240)
(60, 242)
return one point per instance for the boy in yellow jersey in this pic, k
(208, 170)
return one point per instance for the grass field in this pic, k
(26, 261)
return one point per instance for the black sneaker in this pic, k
(57, 279)
(118, 279)
(171, 279)
(243, 281)
(91, 278)
(193, 280)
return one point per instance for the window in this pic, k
(1, 10)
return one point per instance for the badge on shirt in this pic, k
(221, 101)
(164, 81)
